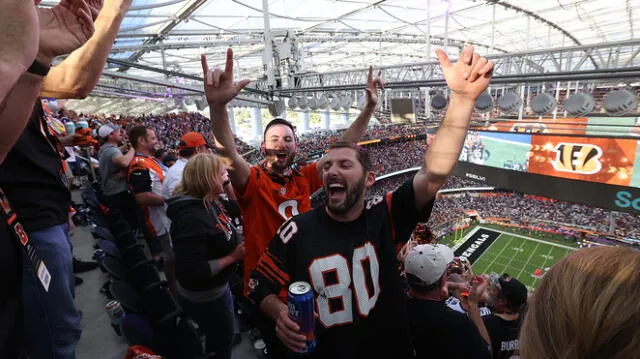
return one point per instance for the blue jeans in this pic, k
(51, 319)
(215, 319)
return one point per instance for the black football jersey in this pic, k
(352, 269)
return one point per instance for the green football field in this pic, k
(516, 254)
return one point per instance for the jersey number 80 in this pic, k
(366, 295)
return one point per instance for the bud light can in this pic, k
(116, 314)
(301, 311)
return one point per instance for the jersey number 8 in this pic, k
(365, 297)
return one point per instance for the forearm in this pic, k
(445, 149)
(474, 315)
(216, 265)
(272, 306)
(149, 199)
(359, 126)
(124, 160)
(78, 74)
(15, 111)
(222, 133)
(231, 194)
(19, 29)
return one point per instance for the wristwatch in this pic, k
(38, 68)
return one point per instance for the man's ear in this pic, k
(370, 179)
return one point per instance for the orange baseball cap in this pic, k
(191, 140)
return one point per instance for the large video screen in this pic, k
(591, 126)
(614, 161)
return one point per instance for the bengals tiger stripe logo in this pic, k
(577, 158)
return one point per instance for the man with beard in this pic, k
(347, 250)
(271, 192)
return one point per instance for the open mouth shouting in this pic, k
(336, 191)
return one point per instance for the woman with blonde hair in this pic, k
(587, 307)
(206, 247)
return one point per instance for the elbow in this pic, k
(80, 91)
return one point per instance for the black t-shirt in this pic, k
(352, 269)
(504, 336)
(33, 179)
(438, 331)
(11, 319)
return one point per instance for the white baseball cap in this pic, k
(428, 262)
(106, 129)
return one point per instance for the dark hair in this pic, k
(278, 121)
(137, 133)
(159, 152)
(362, 154)
(187, 152)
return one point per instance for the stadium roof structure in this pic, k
(328, 44)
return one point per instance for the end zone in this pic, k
(476, 244)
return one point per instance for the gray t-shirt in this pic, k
(111, 182)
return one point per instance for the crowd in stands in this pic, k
(192, 210)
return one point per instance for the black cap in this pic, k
(512, 289)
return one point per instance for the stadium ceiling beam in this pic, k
(191, 89)
(560, 64)
(306, 38)
(182, 14)
(168, 72)
(535, 16)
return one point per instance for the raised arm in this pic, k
(467, 79)
(62, 29)
(18, 43)
(219, 90)
(359, 126)
(78, 74)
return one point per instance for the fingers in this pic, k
(370, 76)
(205, 67)
(84, 16)
(466, 55)
(242, 84)
(289, 332)
(217, 73)
(487, 69)
(472, 73)
(228, 67)
(443, 58)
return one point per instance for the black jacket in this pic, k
(199, 234)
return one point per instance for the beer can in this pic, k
(116, 314)
(301, 310)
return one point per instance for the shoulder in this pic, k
(295, 226)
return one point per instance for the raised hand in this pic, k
(67, 26)
(218, 85)
(372, 87)
(469, 76)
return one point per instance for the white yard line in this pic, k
(511, 259)
(528, 259)
(497, 255)
(529, 238)
(546, 258)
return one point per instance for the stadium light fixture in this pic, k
(438, 101)
(484, 103)
(543, 104)
(620, 102)
(302, 102)
(509, 103)
(580, 104)
(293, 102)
